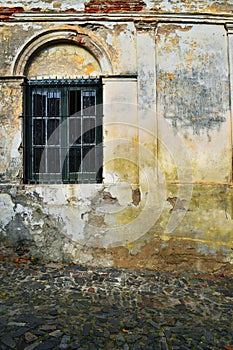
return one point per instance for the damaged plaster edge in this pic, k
(153, 18)
(125, 194)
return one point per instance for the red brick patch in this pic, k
(7, 12)
(97, 6)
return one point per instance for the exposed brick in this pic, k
(71, 10)
(36, 9)
(136, 196)
(7, 12)
(95, 6)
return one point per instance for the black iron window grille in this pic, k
(63, 131)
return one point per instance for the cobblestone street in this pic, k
(51, 306)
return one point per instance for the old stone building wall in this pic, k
(166, 69)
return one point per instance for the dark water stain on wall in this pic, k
(191, 101)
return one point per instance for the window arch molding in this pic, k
(73, 36)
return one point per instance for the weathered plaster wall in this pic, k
(120, 131)
(10, 130)
(71, 60)
(11, 42)
(193, 99)
(192, 6)
(147, 119)
(167, 119)
(118, 40)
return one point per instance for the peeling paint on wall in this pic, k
(10, 127)
(41, 6)
(31, 223)
(71, 61)
(191, 6)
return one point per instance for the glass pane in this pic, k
(74, 105)
(53, 106)
(88, 130)
(53, 132)
(75, 159)
(53, 160)
(74, 131)
(99, 134)
(39, 160)
(38, 131)
(89, 102)
(89, 159)
(39, 105)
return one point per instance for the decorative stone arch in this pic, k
(76, 36)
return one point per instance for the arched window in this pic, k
(63, 116)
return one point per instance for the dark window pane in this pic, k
(99, 134)
(39, 105)
(88, 130)
(53, 160)
(74, 130)
(53, 105)
(89, 102)
(74, 105)
(39, 160)
(38, 131)
(88, 158)
(53, 131)
(75, 159)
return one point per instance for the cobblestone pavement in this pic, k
(51, 306)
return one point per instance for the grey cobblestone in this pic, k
(51, 306)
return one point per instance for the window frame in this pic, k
(64, 87)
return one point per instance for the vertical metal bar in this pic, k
(46, 134)
(75, 126)
(64, 131)
(68, 148)
(58, 133)
(81, 170)
(95, 141)
(31, 127)
(89, 132)
(99, 131)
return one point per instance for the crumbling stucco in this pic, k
(10, 126)
(74, 224)
(200, 6)
(70, 61)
